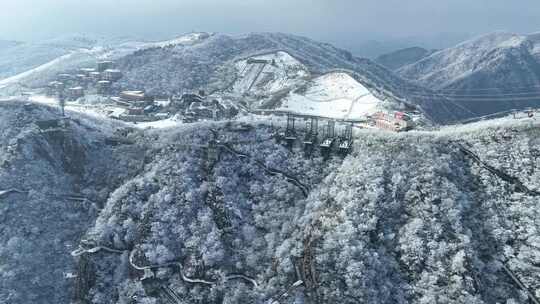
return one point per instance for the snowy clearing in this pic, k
(160, 124)
(335, 95)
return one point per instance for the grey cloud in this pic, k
(345, 22)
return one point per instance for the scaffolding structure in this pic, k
(290, 132)
(346, 139)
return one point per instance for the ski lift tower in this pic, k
(62, 103)
(290, 132)
(346, 140)
(212, 153)
(328, 138)
(312, 130)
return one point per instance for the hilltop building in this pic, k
(104, 65)
(87, 71)
(75, 93)
(131, 96)
(104, 87)
(112, 75)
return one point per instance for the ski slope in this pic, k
(334, 95)
(280, 71)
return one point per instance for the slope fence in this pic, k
(521, 188)
(498, 173)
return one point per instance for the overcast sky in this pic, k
(345, 22)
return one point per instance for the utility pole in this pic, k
(62, 104)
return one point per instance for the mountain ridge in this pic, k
(403, 57)
(153, 71)
(492, 73)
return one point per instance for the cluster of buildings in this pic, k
(392, 121)
(138, 106)
(74, 86)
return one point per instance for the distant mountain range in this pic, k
(375, 47)
(491, 73)
(403, 57)
(20, 57)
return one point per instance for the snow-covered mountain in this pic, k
(480, 70)
(495, 60)
(280, 82)
(403, 57)
(268, 74)
(406, 218)
(222, 63)
(19, 57)
(35, 64)
(213, 65)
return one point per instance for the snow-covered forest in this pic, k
(93, 212)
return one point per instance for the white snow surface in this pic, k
(106, 111)
(160, 124)
(267, 78)
(182, 40)
(449, 66)
(334, 95)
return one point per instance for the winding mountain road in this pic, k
(185, 278)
